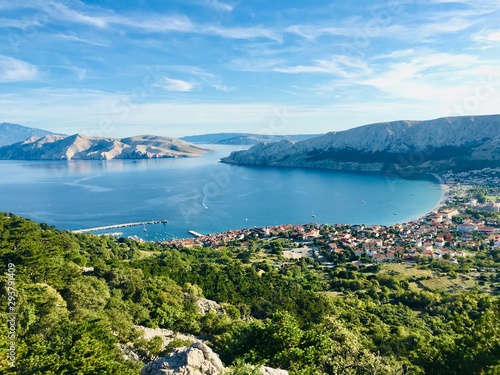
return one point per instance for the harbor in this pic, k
(143, 223)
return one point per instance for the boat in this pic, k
(312, 214)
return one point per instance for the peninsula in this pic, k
(81, 147)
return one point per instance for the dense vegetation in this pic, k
(78, 296)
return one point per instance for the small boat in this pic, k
(312, 214)
(363, 201)
(395, 213)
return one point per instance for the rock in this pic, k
(81, 147)
(271, 371)
(197, 359)
(451, 143)
(206, 305)
(128, 353)
(167, 335)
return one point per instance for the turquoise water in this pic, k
(204, 195)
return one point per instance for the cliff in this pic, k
(77, 146)
(452, 143)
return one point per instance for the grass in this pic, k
(405, 270)
(442, 283)
(146, 254)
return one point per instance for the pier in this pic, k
(196, 234)
(120, 226)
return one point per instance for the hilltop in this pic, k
(77, 146)
(451, 143)
(12, 133)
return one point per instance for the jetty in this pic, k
(196, 234)
(143, 223)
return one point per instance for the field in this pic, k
(430, 280)
(405, 270)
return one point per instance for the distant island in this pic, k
(13, 133)
(244, 138)
(81, 147)
(453, 143)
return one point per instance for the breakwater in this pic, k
(144, 223)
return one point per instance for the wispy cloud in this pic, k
(14, 70)
(218, 6)
(426, 75)
(339, 65)
(171, 84)
(255, 64)
(488, 37)
(75, 38)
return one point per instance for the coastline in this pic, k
(445, 194)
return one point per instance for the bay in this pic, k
(204, 195)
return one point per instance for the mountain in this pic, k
(451, 143)
(12, 133)
(243, 138)
(77, 146)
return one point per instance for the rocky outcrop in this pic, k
(197, 359)
(80, 147)
(456, 143)
(167, 335)
(207, 305)
(272, 371)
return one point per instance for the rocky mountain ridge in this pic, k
(81, 147)
(244, 138)
(451, 143)
(13, 133)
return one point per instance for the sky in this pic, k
(183, 67)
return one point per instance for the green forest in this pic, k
(68, 299)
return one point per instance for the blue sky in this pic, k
(119, 68)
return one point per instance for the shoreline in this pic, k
(446, 193)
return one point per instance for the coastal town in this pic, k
(467, 220)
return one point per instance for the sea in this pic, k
(203, 195)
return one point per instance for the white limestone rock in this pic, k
(417, 146)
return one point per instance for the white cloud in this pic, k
(61, 11)
(426, 76)
(75, 38)
(255, 64)
(489, 36)
(13, 70)
(340, 65)
(218, 6)
(171, 84)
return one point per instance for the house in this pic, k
(449, 213)
(466, 226)
(439, 242)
